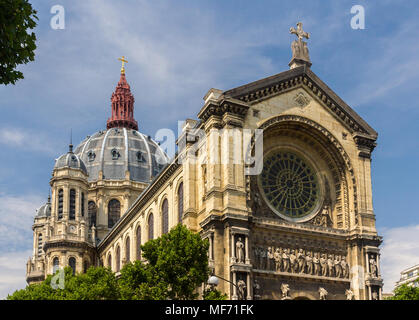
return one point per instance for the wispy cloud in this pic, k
(13, 272)
(20, 138)
(400, 251)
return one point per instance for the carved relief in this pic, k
(301, 100)
(285, 290)
(300, 261)
(323, 293)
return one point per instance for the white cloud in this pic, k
(13, 272)
(20, 138)
(400, 251)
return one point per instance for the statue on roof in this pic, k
(300, 54)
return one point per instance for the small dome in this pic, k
(44, 210)
(70, 160)
(117, 150)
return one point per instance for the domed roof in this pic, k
(44, 210)
(70, 160)
(117, 150)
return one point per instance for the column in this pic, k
(234, 297)
(249, 294)
(233, 251)
(246, 247)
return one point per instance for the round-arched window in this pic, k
(290, 185)
(72, 264)
(165, 216)
(55, 265)
(150, 227)
(114, 212)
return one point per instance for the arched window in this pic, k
(60, 203)
(114, 212)
(55, 265)
(40, 244)
(91, 213)
(82, 204)
(180, 202)
(72, 210)
(72, 264)
(138, 234)
(85, 266)
(150, 227)
(118, 259)
(110, 261)
(165, 216)
(127, 250)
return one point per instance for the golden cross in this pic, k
(123, 62)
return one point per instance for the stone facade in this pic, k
(328, 252)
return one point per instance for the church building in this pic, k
(276, 174)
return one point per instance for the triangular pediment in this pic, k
(257, 91)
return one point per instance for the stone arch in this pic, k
(333, 152)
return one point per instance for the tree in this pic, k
(214, 294)
(176, 264)
(406, 292)
(97, 283)
(17, 45)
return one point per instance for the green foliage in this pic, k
(214, 294)
(17, 45)
(177, 263)
(97, 283)
(405, 292)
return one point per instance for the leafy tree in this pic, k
(405, 292)
(177, 263)
(97, 283)
(214, 294)
(17, 45)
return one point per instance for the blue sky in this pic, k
(177, 50)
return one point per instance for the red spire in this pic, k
(122, 106)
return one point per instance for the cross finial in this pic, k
(123, 62)
(299, 32)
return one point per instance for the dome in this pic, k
(70, 160)
(117, 150)
(44, 210)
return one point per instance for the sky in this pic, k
(177, 51)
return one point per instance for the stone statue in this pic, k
(345, 267)
(263, 256)
(330, 265)
(286, 260)
(316, 264)
(240, 251)
(293, 261)
(285, 290)
(323, 265)
(270, 259)
(373, 267)
(309, 263)
(301, 261)
(299, 47)
(374, 295)
(256, 289)
(349, 294)
(323, 293)
(338, 267)
(241, 287)
(278, 259)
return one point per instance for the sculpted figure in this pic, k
(323, 293)
(338, 267)
(323, 265)
(301, 261)
(241, 289)
(256, 289)
(349, 294)
(278, 259)
(373, 266)
(263, 255)
(240, 251)
(330, 265)
(286, 260)
(374, 295)
(309, 263)
(316, 264)
(293, 261)
(285, 290)
(345, 267)
(271, 261)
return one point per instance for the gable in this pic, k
(302, 77)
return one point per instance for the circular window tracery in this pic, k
(289, 184)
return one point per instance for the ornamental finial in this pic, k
(123, 62)
(300, 55)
